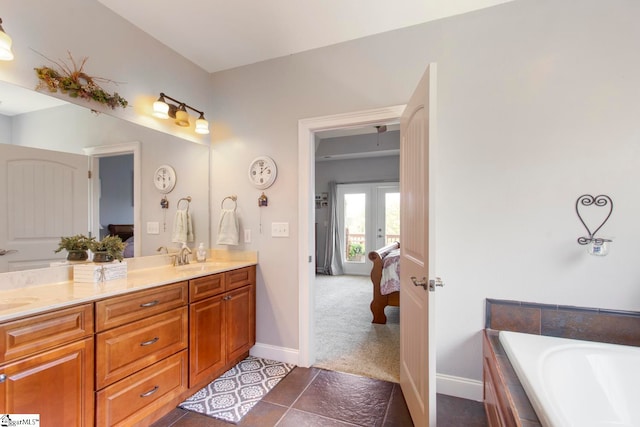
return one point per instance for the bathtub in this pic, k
(573, 383)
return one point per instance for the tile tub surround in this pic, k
(588, 324)
(53, 288)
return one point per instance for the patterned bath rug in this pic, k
(234, 393)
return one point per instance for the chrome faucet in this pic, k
(183, 257)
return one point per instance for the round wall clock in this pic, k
(262, 172)
(164, 179)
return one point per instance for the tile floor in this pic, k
(313, 397)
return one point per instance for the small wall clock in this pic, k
(164, 179)
(262, 172)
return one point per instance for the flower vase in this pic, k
(77, 255)
(102, 257)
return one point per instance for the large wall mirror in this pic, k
(47, 145)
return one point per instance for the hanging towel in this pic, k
(228, 229)
(182, 227)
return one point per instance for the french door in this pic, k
(369, 218)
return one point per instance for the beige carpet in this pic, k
(346, 340)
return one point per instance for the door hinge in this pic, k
(89, 174)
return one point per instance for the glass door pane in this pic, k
(388, 215)
(355, 226)
(391, 217)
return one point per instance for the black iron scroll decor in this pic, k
(598, 201)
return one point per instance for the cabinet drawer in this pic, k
(240, 277)
(23, 337)
(207, 286)
(135, 397)
(124, 350)
(117, 311)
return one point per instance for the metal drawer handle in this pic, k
(150, 392)
(3, 378)
(150, 304)
(227, 298)
(153, 341)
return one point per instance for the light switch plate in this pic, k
(153, 227)
(279, 229)
(247, 236)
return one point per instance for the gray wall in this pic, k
(537, 104)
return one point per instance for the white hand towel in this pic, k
(182, 227)
(228, 229)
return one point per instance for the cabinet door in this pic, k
(57, 384)
(240, 307)
(206, 339)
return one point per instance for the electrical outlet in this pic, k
(153, 227)
(247, 236)
(279, 229)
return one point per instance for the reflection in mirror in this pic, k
(44, 190)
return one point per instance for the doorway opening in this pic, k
(307, 130)
(96, 154)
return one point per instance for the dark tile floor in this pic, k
(310, 397)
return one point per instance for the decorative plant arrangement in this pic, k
(78, 84)
(76, 246)
(108, 249)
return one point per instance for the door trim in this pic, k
(113, 150)
(306, 210)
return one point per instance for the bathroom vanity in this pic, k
(127, 351)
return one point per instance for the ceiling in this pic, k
(222, 34)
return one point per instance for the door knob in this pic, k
(417, 282)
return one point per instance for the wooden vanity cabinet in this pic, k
(47, 365)
(141, 353)
(221, 322)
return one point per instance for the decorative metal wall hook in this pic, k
(599, 244)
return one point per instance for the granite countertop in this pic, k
(20, 299)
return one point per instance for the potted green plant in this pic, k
(76, 246)
(356, 251)
(108, 249)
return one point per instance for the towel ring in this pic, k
(232, 198)
(186, 199)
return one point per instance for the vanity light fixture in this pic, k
(5, 45)
(163, 110)
(597, 245)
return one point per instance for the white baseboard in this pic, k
(464, 388)
(450, 385)
(281, 354)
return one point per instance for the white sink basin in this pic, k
(10, 303)
(194, 268)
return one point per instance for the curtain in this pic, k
(333, 246)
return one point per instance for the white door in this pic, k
(417, 350)
(43, 196)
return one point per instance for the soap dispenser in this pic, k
(201, 254)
